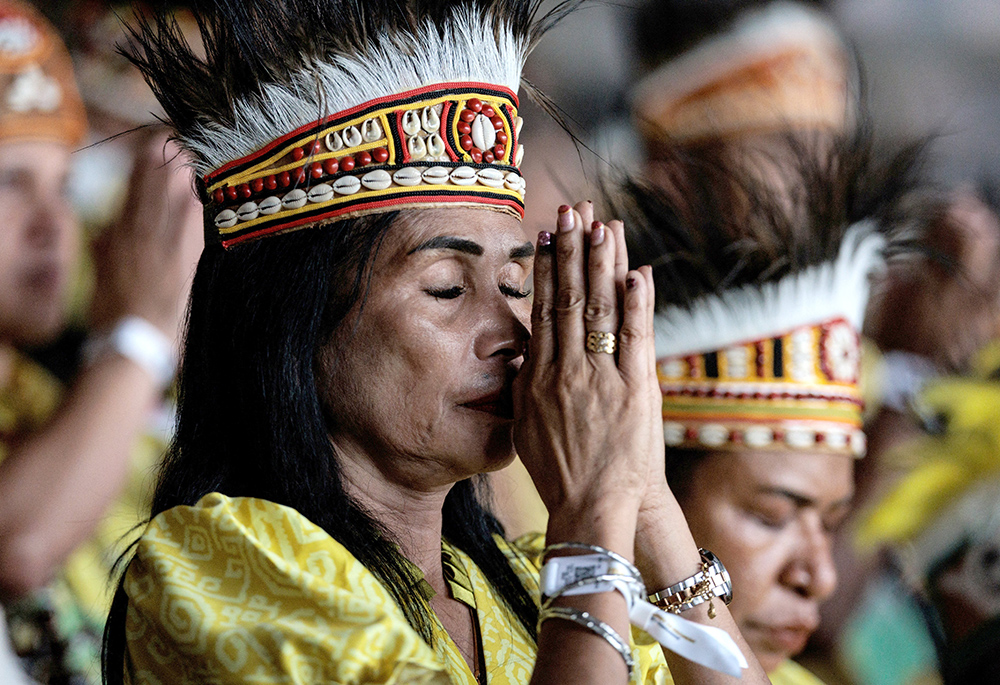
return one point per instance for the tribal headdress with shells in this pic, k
(761, 291)
(308, 111)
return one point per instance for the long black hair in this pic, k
(251, 423)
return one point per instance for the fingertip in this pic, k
(596, 233)
(565, 220)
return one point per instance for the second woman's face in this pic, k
(770, 518)
(419, 383)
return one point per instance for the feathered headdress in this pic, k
(304, 111)
(745, 70)
(762, 284)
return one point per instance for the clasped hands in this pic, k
(587, 398)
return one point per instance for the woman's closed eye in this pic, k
(456, 291)
(446, 293)
(514, 291)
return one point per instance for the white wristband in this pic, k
(141, 342)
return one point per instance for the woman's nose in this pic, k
(505, 333)
(812, 573)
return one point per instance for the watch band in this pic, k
(708, 583)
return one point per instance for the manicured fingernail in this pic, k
(565, 222)
(630, 282)
(564, 209)
(597, 235)
(544, 239)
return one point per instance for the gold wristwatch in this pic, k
(704, 586)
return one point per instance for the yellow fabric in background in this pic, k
(27, 400)
(791, 673)
(236, 590)
(79, 597)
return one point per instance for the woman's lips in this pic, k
(789, 639)
(47, 278)
(497, 404)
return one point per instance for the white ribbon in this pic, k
(707, 646)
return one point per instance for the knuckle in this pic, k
(541, 313)
(567, 249)
(598, 309)
(569, 300)
(631, 335)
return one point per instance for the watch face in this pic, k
(718, 568)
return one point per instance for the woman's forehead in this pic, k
(497, 233)
(824, 479)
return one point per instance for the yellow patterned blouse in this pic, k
(241, 590)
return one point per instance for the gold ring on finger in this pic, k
(599, 341)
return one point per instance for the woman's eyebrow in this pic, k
(447, 242)
(522, 251)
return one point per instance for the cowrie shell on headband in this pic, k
(713, 435)
(294, 199)
(492, 178)
(800, 438)
(417, 146)
(321, 193)
(352, 136)
(520, 155)
(225, 219)
(411, 123)
(248, 211)
(334, 141)
(371, 130)
(463, 176)
(758, 436)
(379, 179)
(347, 185)
(435, 146)
(673, 433)
(512, 181)
(436, 175)
(430, 120)
(269, 205)
(484, 136)
(407, 176)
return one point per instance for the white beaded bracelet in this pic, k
(141, 342)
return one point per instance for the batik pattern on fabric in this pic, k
(236, 590)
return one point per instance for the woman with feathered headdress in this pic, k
(356, 325)
(762, 283)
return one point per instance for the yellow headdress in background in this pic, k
(952, 492)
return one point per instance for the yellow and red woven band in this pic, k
(452, 143)
(797, 390)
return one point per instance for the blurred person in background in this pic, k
(734, 78)
(939, 529)
(65, 451)
(758, 319)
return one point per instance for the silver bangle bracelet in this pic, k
(594, 625)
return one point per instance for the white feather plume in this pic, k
(815, 294)
(465, 50)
